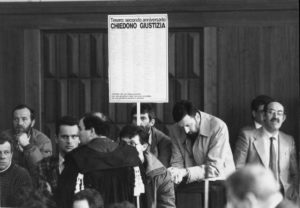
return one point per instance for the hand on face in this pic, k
(23, 139)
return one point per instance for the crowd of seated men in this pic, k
(140, 166)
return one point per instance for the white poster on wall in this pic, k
(138, 58)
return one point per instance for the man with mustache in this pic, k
(271, 148)
(29, 144)
(160, 144)
(200, 145)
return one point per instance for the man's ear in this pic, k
(152, 122)
(32, 123)
(283, 118)
(253, 113)
(93, 132)
(197, 116)
(145, 146)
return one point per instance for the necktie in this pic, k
(272, 162)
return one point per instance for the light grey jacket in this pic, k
(210, 150)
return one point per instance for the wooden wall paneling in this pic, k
(12, 88)
(181, 54)
(62, 97)
(84, 55)
(99, 96)
(62, 56)
(73, 54)
(229, 78)
(32, 73)
(76, 95)
(97, 56)
(51, 99)
(285, 72)
(210, 85)
(49, 56)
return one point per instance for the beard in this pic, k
(21, 129)
(192, 136)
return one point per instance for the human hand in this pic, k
(23, 139)
(177, 174)
(211, 172)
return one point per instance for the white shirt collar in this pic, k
(257, 125)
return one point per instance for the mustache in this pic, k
(275, 119)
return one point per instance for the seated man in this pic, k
(200, 145)
(271, 148)
(14, 180)
(88, 198)
(48, 169)
(254, 187)
(99, 163)
(160, 144)
(159, 187)
(29, 144)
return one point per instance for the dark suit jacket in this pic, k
(105, 166)
(161, 146)
(250, 149)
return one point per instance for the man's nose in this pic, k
(2, 156)
(186, 129)
(20, 122)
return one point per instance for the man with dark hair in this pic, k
(30, 145)
(200, 145)
(257, 110)
(100, 163)
(159, 186)
(88, 198)
(253, 186)
(271, 148)
(67, 138)
(13, 178)
(160, 144)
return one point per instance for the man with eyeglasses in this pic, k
(48, 170)
(271, 148)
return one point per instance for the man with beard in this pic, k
(29, 144)
(200, 145)
(271, 148)
(160, 144)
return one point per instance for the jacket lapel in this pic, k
(259, 146)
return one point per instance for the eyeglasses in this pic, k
(278, 113)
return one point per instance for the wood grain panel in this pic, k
(73, 54)
(99, 94)
(49, 55)
(84, 55)
(97, 55)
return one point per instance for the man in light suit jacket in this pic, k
(256, 146)
(200, 145)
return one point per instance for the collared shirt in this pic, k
(267, 143)
(257, 125)
(61, 161)
(48, 172)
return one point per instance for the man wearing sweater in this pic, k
(14, 180)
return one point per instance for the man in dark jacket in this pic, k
(159, 188)
(99, 163)
(14, 180)
(159, 143)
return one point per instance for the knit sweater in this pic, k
(13, 182)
